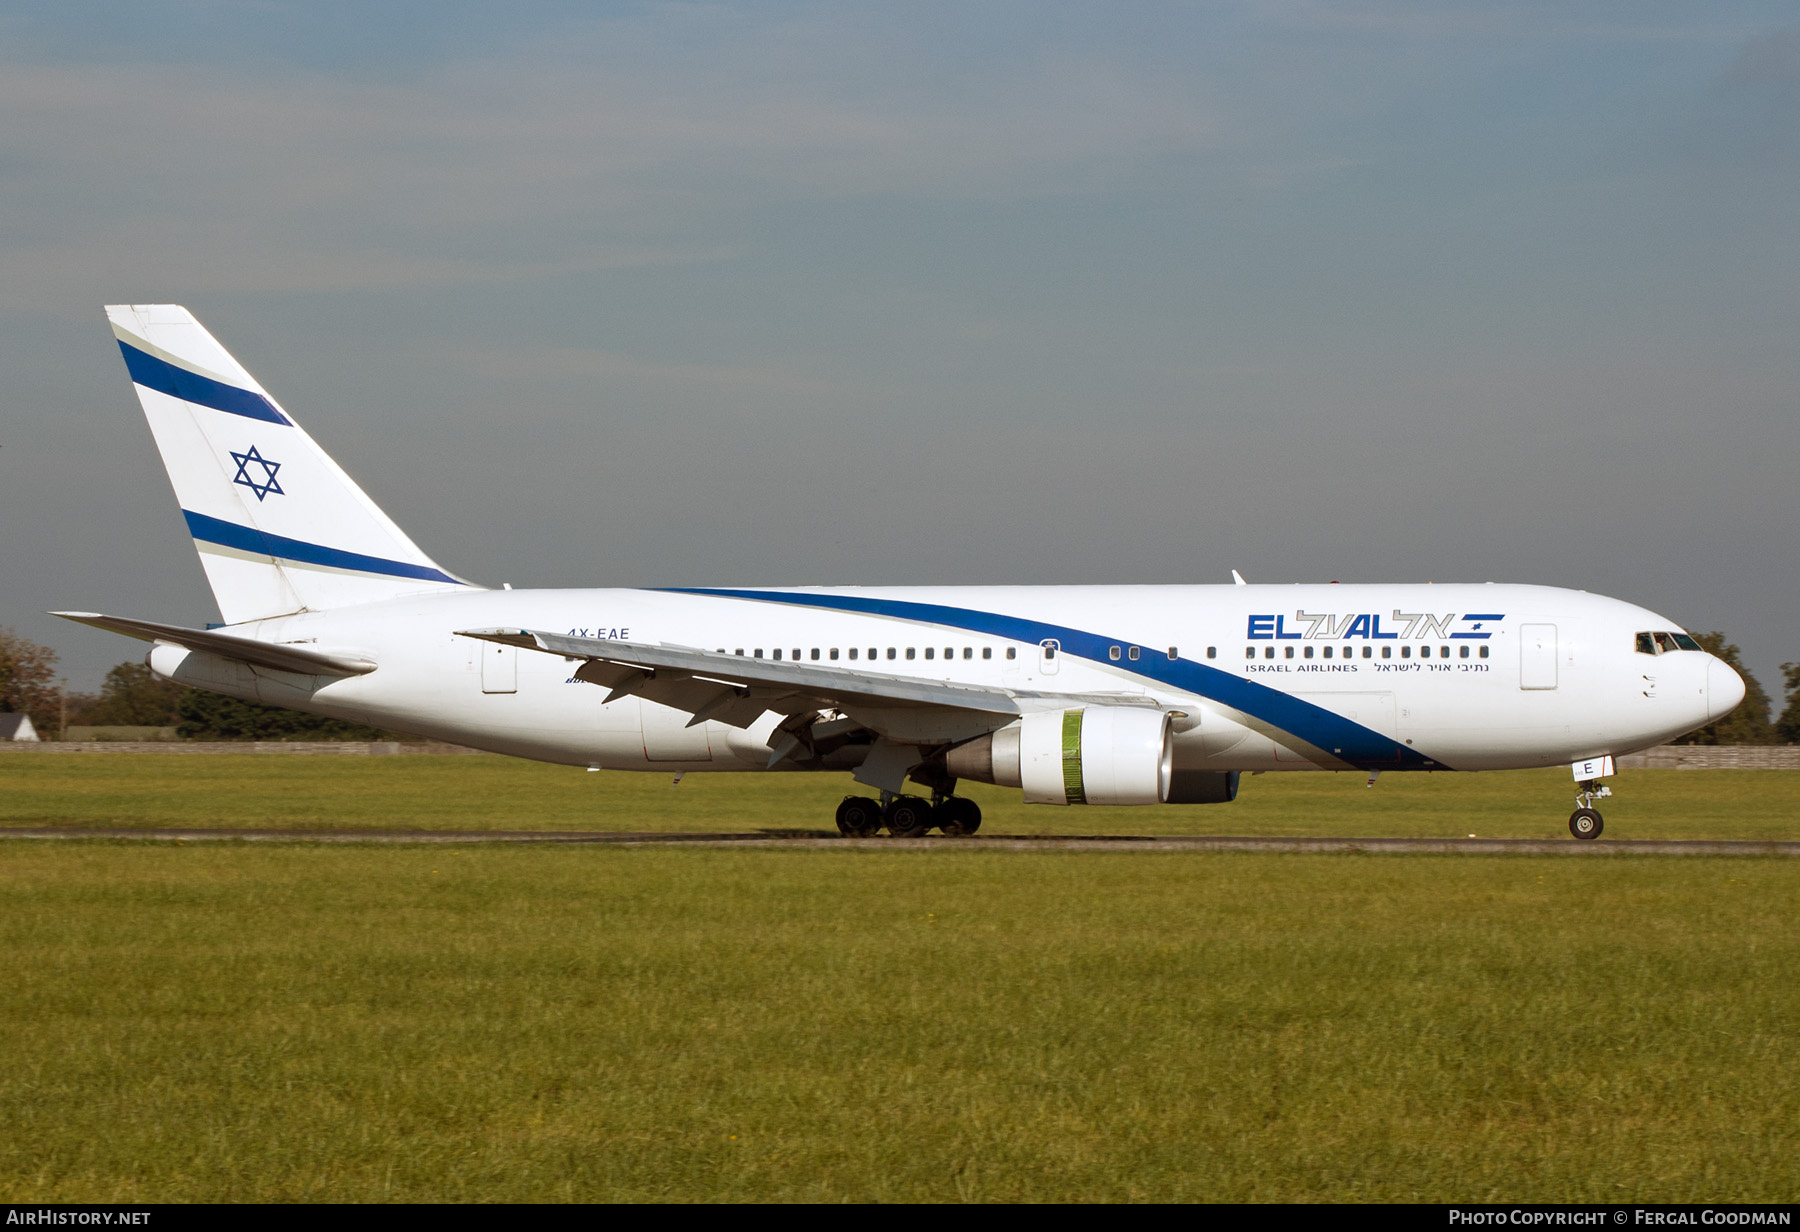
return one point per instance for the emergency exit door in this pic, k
(1537, 656)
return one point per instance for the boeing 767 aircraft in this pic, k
(1073, 694)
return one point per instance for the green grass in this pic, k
(422, 792)
(305, 1022)
(301, 1022)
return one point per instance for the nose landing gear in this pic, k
(1585, 822)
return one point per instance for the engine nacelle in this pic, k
(1099, 755)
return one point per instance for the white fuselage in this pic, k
(1429, 677)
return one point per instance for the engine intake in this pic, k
(1098, 755)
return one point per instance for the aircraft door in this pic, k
(499, 668)
(1049, 656)
(1537, 656)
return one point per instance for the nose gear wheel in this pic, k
(1585, 822)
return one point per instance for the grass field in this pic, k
(190, 1023)
(453, 793)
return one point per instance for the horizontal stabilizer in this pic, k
(282, 658)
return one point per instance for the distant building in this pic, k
(17, 727)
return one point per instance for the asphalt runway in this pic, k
(826, 840)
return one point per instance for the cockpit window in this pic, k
(1664, 643)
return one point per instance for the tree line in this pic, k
(134, 696)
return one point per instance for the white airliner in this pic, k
(1075, 694)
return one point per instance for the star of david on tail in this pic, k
(268, 486)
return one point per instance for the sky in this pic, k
(781, 294)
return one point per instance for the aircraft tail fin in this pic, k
(279, 526)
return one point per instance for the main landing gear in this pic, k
(1585, 822)
(907, 816)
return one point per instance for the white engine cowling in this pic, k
(1100, 755)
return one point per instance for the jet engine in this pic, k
(1098, 755)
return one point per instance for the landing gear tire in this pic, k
(908, 817)
(957, 815)
(1586, 823)
(858, 817)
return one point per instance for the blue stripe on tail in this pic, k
(165, 378)
(249, 539)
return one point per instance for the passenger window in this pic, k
(930, 651)
(1268, 652)
(1327, 652)
(1113, 653)
(1309, 652)
(1405, 652)
(834, 654)
(1290, 651)
(1212, 652)
(949, 652)
(1049, 649)
(1249, 652)
(1484, 650)
(852, 652)
(797, 654)
(909, 652)
(778, 652)
(1465, 652)
(968, 652)
(1387, 652)
(815, 654)
(1132, 654)
(1443, 652)
(987, 652)
(759, 652)
(1012, 652)
(1368, 652)
(739, 652)
(1174, 654)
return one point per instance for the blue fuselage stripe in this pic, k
(165, 378)
(249, 539)
(1338, 736)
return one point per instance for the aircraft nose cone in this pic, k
(1724, 689)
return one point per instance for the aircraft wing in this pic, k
(282, 657)
(737, 690)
